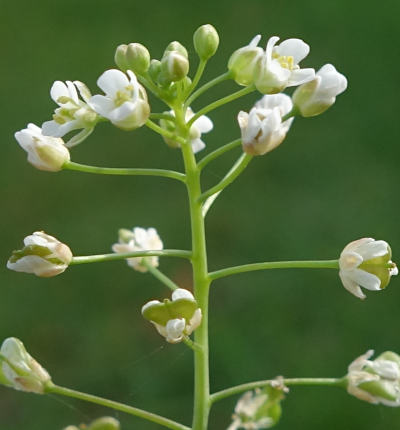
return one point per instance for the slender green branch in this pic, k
(322, 264)
(192, 345)
(69, 165)
(148, 83)
(62, 391)
(295, 111)
(220, 102)
(153, 126)
(235, 171)
(122, 256)
(160, 276)
(205, 87)
(197, 76)
(218, 152)
(332, 382)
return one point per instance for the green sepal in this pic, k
(161, 313)
(384, 389)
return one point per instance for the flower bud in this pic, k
(19, 370)
(137, 58)
(375, 381)
(366, 263)
(155, 69)
(316, 96)
(174, 319)
(206, 41)
(243, 61)
(104, 423)
(176, 47)
(120, 57)
(43, 255)
(44, 152)
(174, 67)
(258, 409)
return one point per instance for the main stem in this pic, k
(201, 283)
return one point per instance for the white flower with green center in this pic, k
(201, 125)
(43, 255)
(262, 129)
(19, 370)
(316, 96)
(73, 113)
(125, 100)
(375, 381)
(279, 68)
(44, 152)
(174, 319)
(366, 263)
(139, 239)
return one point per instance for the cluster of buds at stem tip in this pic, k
(262, 129)
(201, 125)
(174, 319)
(375, 381)
(42, 254)
(103, 423)
(139, 239)
(258, 409)
(133, 57)
(19, 370)
(366, 263)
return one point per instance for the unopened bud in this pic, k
(176, 47)
(120, 57)
(137, 58)
(104, 423)
(174, 66)
(206, 41)
(155, 69)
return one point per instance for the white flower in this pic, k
(139, 239)
(43, 255)
(375, 381)
(73, 113)
(318, 95)
(279, 67)
(201, 125)
(174, 319)
(262, 128)
(19, 370)
(243, 62)
(44, 152)
(125, 103)
(366, 263)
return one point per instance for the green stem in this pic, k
(69, 165)
(332, 382)
(100, 258)
(205, 87)
(164, 115)
(322, 264)
(201, 282)
(220, 102)
(235, 171)
(197, 76)
(153, 126)
(218, 152)
(62, 391)
(147, 82)
(160, 276)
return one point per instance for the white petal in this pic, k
(122, 112)
(204, 124)
(58, 89)
(349, 260)
(365, 279)
(102, 105)
(112, 81)
(295, 48)
(51, 128)
(351, 286)
(80, 137)
(72, 92)
(255, 40)
(378, 248)
(181, 293)
(197, 145)
(150, 304)
(301, 76)
(174, 330)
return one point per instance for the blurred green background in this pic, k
(333, 180)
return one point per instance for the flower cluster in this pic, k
(375, 381)
(139, 239)
(174, 319)
(103, 423)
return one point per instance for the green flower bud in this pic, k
(155, 69)
(137, 58)
(19, 370)
(206, 41)
(104, 423)
(174, 67)
(120, 57)
(176, 47)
